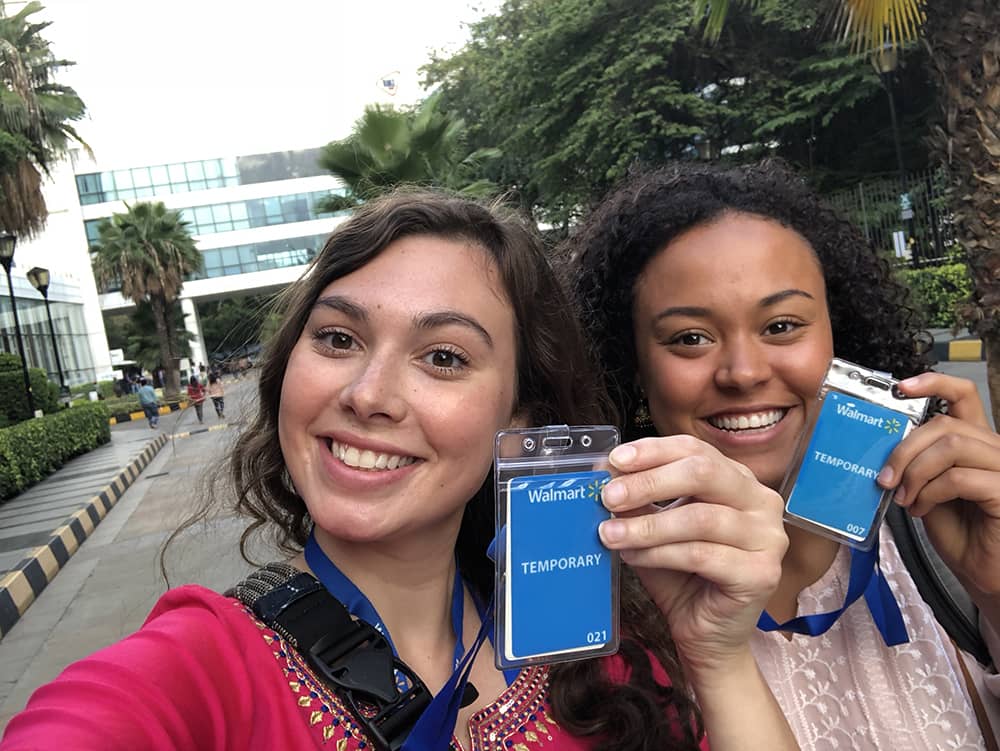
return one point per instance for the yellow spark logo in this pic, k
(892, 426)
(594, 489)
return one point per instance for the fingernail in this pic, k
(885, 477)
(611, 531)
(900, 496)
(622, 455)
(613, 494)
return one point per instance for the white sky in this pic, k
(191, 79)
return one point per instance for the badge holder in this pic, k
(830, 488)
(557, 585)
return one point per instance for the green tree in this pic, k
(233, 324)
(135, 334)
(147, 252)
(35, 118)
(576, 93)
(964, 64)
(391, 147)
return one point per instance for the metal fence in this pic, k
(919, 230)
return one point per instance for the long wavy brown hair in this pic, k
(555, 384)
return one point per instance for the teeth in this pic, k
(367, 459)
(748, 422)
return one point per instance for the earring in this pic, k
(642, 419)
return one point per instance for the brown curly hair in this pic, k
(872, 322)
(555, 384)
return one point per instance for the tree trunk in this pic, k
(965, 61)
(171, 381)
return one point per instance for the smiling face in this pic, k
(392, 395)
(733, 339)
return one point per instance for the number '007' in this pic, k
(855, 529)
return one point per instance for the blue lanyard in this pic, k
(867, 579)
(434, 730)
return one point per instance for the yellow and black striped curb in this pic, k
(20, 586)
(196, 431)
(968, 350)
(165, 409)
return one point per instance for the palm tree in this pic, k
(147, 252)
(961, 37)
(390, 147)
(35, 116)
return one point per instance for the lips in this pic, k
(367, 459)
(746, 421)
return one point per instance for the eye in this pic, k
(689, 339)
(335, 339)
(446, 360)
(777, 328)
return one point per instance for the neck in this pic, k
(409, 583)
(809, 556)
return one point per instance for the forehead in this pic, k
(734, 254)
(424, 273)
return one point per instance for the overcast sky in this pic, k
(190, 79)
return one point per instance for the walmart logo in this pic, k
(892, 426)
(594, 489)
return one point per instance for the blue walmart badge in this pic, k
(559, 596)
(836, 486)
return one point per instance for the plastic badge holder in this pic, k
(557, 585)
(830, 487)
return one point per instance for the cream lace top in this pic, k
(847, 690)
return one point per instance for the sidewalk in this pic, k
(43, 526)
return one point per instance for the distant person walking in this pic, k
(196, 393)
(149, 403)
(216, 392)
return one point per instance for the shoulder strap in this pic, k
(352, 658)
(947, 598)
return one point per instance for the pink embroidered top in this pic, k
(202, 673)
(847, 690)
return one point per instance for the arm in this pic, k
(947, 472)
(710, 563)
(173, 685)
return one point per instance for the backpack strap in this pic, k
(352, 658)
(951, 604)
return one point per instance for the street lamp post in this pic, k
(885, 62)
(39, 279)
(7, 242)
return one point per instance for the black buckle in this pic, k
(363, 667)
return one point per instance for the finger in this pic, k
(708, 522)
(707, 477)
(974, 485)
(647, 453)
(960, 393)
(732, 569)
(952, 450)
(943, 434)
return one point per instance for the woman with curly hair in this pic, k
(715, 299)
(426, 324)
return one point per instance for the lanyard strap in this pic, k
(338, 585)
(867, 579)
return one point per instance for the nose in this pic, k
(375, 390)
(744, 364)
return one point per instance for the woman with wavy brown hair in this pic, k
(426, 324)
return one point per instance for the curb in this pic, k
(955, 350)
(196, 431)
(22, 585)
(165, 409)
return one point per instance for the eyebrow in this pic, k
(453, 318)
(692, 311)
(425, 322)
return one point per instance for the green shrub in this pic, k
(13, 401)
(937, 290)
(104, 388)
(34, 449)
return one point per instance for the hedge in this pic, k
(937, 290)
(34, 449)
(13, 401)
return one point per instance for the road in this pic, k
(106, 589)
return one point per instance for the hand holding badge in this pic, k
(557, 585)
